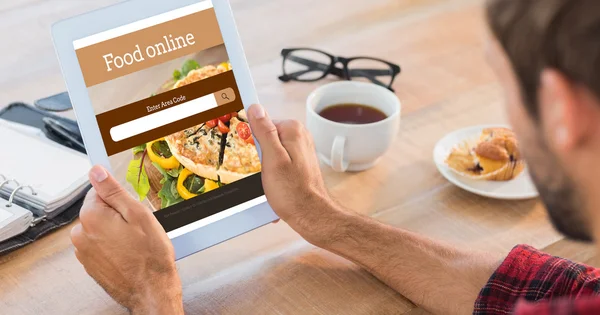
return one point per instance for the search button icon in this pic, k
(225, 96)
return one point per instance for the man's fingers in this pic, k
(109, 190)
(266, 133)
(97, 217)
(293, 137)
(77, 236)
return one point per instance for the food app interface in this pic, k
(171, 118)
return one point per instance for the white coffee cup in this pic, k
(352, 147)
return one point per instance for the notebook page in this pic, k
(38, 162)
(22, 128)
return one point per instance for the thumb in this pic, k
(109, 190)
(266, 133)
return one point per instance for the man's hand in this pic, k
(439, 277)
(292, 178)
(124, 248)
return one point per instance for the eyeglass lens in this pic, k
(306, 65)
(369, 70)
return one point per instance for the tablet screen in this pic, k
(171, 117)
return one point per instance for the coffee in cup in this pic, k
(353, 114)
(353, 123)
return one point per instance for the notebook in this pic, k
(38, 178)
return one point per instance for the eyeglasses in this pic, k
(309, 65)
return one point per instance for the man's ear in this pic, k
(568, 115)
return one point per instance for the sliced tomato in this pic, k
(212, 123)
(250, 140)
(225, 118)
(243, 129)
(222, 128)
(234, 114)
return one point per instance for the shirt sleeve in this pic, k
(587, 306)
(530, 275)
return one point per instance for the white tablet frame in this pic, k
(66, 32)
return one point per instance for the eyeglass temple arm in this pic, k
(315, 65)
(286, 77)
(369, 72)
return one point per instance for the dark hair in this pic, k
(556, 34)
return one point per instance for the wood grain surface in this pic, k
(445, 85)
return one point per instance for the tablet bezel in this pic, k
(66, 32)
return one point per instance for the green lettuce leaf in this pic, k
(175, 172)
(174, 191)
(168, 174)
(177, 75)
(161, 148)
(194, 184)
(189, 66)
(161, 170)
(168, 194)
(139, 149)
(137, 177)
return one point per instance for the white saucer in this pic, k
(519, 188)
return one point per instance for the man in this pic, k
(546, 54)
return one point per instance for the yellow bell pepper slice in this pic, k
(210, 185)
(166, 163)
(225, 65)
(184, 192)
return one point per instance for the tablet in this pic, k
(159, 89)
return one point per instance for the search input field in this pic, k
(171, 115)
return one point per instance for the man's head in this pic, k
(547, 56)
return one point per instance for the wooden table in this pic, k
(445, 85)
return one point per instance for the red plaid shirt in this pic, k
(530, 282)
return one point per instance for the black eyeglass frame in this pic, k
(342, 73)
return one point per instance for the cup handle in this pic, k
(337, 155)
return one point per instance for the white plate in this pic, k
(519, 188)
